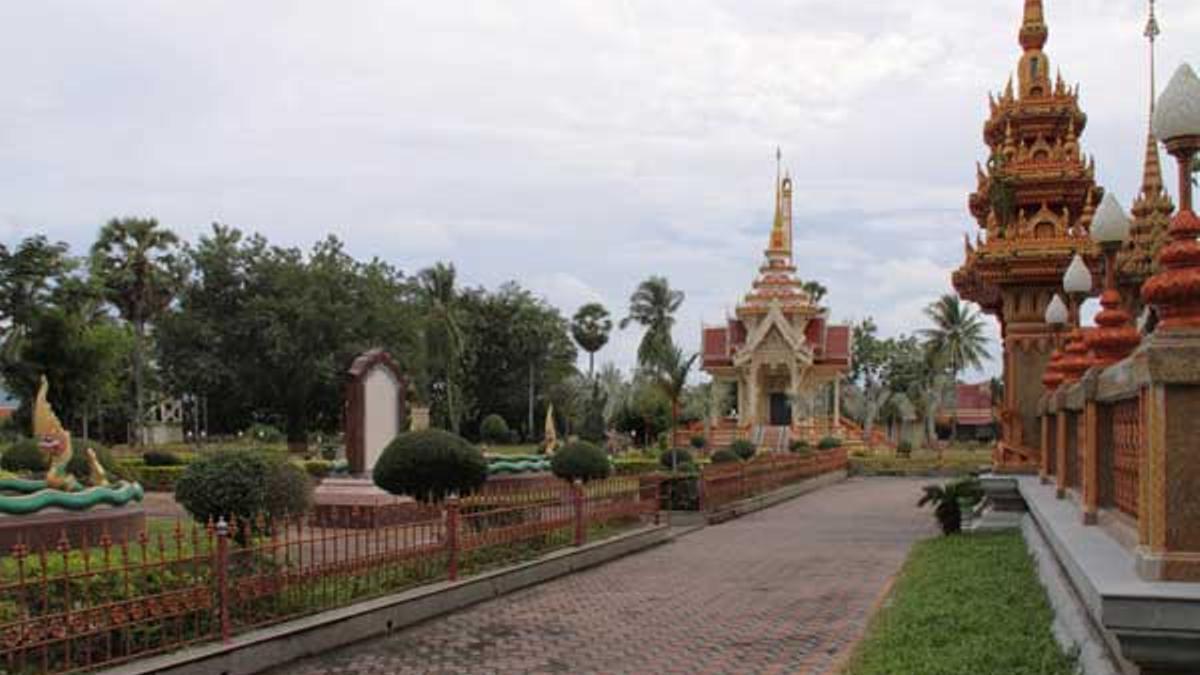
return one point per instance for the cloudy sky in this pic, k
(576, 146)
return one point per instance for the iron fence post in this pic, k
(452, 537)
(223, 577)
(577, 505)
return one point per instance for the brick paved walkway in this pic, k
(786, 590)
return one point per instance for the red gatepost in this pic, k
(452, 537)
(577, 505)
(222, 578)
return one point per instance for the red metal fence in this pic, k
(722, 484)
(68, 610)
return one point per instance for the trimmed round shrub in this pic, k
(318, 468)
(581, 460)
(429, 465)
(81, 470)
(699, 441)
(800, 446)
(676, 458)
(494, 429)
(24, 456)
(161, 458)
(904, 448)
(743, 448)
(829, 443)
(725, 456)
(242, 485)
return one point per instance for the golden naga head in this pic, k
(52, 438)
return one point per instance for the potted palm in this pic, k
(949, 499)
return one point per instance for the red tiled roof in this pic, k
(814, 335)
(716, 346)
(837, 343)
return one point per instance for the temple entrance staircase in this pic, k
(772, 438)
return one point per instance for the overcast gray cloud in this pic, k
(574, 146)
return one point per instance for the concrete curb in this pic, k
(764, 501)
(276, 645)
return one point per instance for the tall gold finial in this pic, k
(1152, 33)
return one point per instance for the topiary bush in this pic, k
(494, 430)
(317, 468)
(161, 458)
(429, 465)
(743, 448)
(699, 441)
(725, 456)
(242, 485)
(581, 460)
(676, 458)
(24, 456)
(265, 433)
(800, 446)
(904, 449)
(829, 443)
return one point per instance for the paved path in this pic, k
(786, 590)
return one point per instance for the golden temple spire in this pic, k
(1033, 29)
(781, 236)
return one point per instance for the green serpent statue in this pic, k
(60, 489)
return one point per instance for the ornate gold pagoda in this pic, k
(1033, 205)
(778, 351)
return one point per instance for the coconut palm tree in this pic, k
(138, 267)
(671, 375)
(653, 306)
(590, 327)
(816, 291)
(956, 339)
(443, 336)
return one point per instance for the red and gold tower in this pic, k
(1033, 205)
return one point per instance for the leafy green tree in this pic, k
(137, 264)
(29, 273)
(956, 339)
(591, 327)
(872, 356)
(653, 306)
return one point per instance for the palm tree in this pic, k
(671, 376)
(444, 334)
(816, 291)
(137, 265)
(653, 305)
(956, 340)
(590, 327)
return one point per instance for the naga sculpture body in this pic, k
(22, 496)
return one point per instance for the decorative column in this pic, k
(1077, 282)
(1057, 317)
(1166, 363)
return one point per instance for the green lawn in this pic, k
(526, 449)
(921, 463)
(964, 604)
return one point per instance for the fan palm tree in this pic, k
(671, 376)
(138, 267)
(590, 327)
(443, 336)
(653, 306)
(956, 339)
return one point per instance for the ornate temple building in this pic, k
(1033, 205)
(777, 357)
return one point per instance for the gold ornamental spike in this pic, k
(45, 422)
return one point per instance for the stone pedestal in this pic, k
(358, 503)
(46, 528)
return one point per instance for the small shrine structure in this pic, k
(778, 353)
